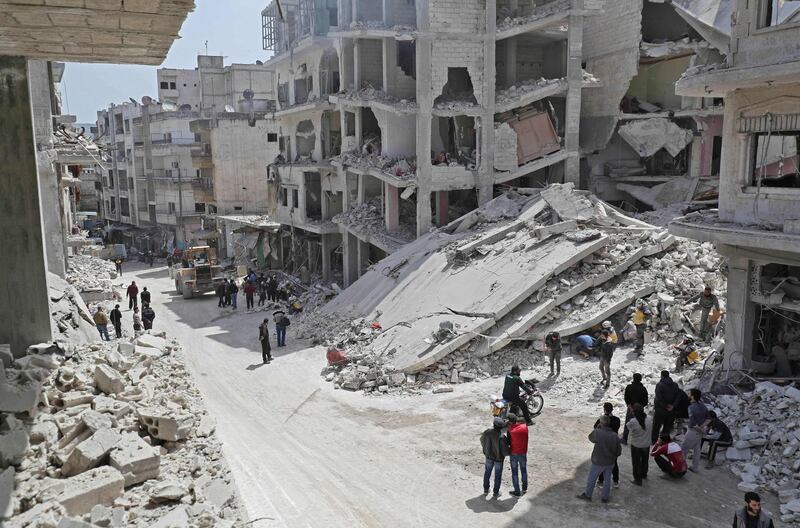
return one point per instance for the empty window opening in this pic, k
(313, 188)
(453, 141)
(776, 12)
(458, 87)
(716, 155)
(124, 207)
(295, 198)
(272, 137)
(334, 203)
(775, 159)
(329, 72)
(283, 93)
(407, 57)
(302, 89)
(371, 63)
(284, 197)
(349, 124)
(305, 140)
(331, 134)
(199, 207)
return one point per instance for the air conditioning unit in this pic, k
(175, 164)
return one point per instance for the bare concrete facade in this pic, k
(412, 113)
(756, 225)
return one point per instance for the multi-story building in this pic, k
(757, 225)
(397, 116)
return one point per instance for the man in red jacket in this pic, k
(518, 432)
(133, 294)
(249, 293)
(669, 457)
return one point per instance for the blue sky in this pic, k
(232, 28)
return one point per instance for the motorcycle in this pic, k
(534, 400)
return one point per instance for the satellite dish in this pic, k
(229, 108)
(259, 63)
(248, 94)
(185, 108)
(168, 107)
(146, 100)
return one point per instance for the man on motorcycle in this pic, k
(511, 392)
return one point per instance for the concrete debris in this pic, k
(657, 50)
(367, 220)
(401, 168)
(92, 277)
(520, 17)
(372, 94)
(101, 450)
(648, 136)
(766, 442)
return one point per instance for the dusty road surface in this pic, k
(305, 454)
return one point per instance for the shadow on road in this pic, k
(482, 504)
(255, 366)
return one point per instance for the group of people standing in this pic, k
(267, 288)
(141, 321)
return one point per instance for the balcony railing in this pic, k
(203, 152)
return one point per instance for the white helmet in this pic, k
(606, 324)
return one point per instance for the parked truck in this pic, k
(196, 271)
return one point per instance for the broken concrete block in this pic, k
(162, 424)
(733, 453)
(205, 427)
(177, 518)
(118, 362)
(108, 379)
(69, 522)
(792, 393)
(96, 421)
(116, 408)
(442, 388)
(7, 492)
(13, 443)
(6, 357)
(151, 341)
(22, 397)
(45, 432)
(73, 399)
(97, 486)
(135, 459)
(126, 349)
(167, 491)
(218, 492)
(747, 486)
(91, 452)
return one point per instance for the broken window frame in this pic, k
(757, 181)
(768, 13)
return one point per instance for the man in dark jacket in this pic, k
(272, 288)
(613, 424)
(116, 320)
(281, 323)
(249, 293)
(511, 393)
(718, 435)
(148, 316)
(133, 295)
(145, 296)
(634, 393)
(552, 345)
(495, 448)
(668, 397)
(606, 449)
(751, 515)
(220, 291)
(606, 353)
(263, 337)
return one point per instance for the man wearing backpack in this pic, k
(281, 322)
(495, 448)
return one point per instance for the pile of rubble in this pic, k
(68, 312)
(521, 89)
(112, 434)
(370, 93)
(766, 432)
(91, 276)
(367, 219)
(514, 19)
(402, 168)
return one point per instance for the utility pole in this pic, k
(179, 221)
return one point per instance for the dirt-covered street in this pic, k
(305, 454)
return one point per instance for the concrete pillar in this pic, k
(349, 258)
(572, 171)
(317, 122)
(486, 162)
(387, 17)
(24, 296)
(359, 132)
(511, 60)
(740, 316)
(363, 257)
(362, 190)
(425, 98)
(392, 200)
(442, 207)
(696, 160)
(354, 10)
(389, 62)
(54, 213)
(325, 248)
(357, 64)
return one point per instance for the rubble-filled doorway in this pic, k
(331, 134)
(313, 188)
(370, 132)
(453, 140)
(329, 72)
(305, 140)
(458, 87)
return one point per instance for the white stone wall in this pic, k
(447, 178)
(398, 134)
(453, 54)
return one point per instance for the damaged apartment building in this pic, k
(757, 224)
(394, 117)
(397, 116)
(179, 164)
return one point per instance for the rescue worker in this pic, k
(706, 301)
(552, 345)
(612, 333)
(641, 315)
(511, 388)
(687, 353)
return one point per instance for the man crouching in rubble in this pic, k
(511, 393)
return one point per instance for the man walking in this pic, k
(751, 515)
(518, 434)
(604, 454)
(116, 320)
(606, 353)
(249, 294)
(101, 322)
(495, 449)
(281, 323)
(220, 291)
(144, 296)
(263, 337)
(511, 388)
(669, 457)
(635, 393)
(706, 301)
(640, 427)
(613, 424)
(234, 292)
(698, 414)
(262, 290)
(133, 294)
(667, 399)
(552, 345)
(118, 264)
(272, 289)
(148, 316)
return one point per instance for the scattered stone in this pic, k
(161, 423)
(97, 486)
(108, 379)
(135, 459)
(167, 491)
